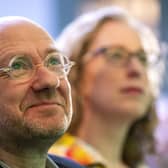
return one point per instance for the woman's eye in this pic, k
(142, 57)
(116, 54)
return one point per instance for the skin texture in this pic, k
(106, 103)
(99, 73)
(35, 112)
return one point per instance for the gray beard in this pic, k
(18, 128)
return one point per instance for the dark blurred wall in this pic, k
(67, 10)
(164, 20)
(164, 37)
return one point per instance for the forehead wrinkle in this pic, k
(39, 54)
(18, 36)
(7, 51)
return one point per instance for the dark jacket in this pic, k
(54, 162)
(64, 162)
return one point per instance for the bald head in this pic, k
(19, 27)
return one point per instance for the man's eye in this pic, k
(17, 65)
(53, 60)
(20, 63)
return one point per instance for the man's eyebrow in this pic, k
(51, 50)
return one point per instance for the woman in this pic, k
(115, 83)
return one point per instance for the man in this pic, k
(35, 102)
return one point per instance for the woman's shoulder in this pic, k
(74, 148)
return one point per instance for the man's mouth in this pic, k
(45, 104)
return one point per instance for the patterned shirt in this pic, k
(74, 148)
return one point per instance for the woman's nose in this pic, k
(134, 67)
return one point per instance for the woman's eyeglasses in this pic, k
(120, 56)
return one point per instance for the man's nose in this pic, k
(44, 78)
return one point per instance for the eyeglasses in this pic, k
(120, 56)
(22, 68)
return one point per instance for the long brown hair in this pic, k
(139, 139)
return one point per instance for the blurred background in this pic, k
(54, 15)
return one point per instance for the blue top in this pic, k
(54, 162)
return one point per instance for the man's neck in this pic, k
(23, 159)
(49, 164)
(24, 153)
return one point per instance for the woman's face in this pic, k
(116, 89)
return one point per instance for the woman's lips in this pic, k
(132, 90)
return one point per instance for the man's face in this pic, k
(36, 107)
